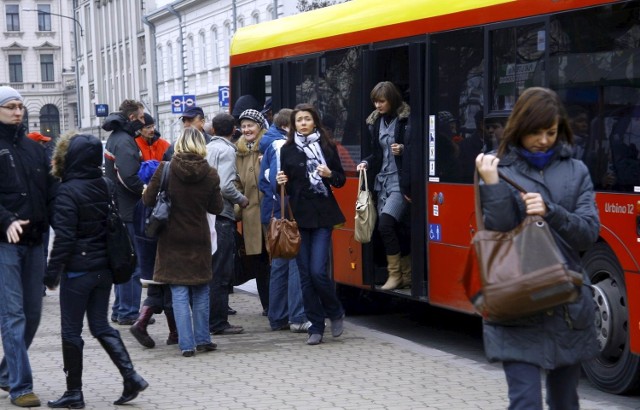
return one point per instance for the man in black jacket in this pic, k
(26, 191)
(122, 162)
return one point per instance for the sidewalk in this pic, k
(263, 369)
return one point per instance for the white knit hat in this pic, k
(9, 94)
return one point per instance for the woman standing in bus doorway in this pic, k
(389, 133)
(310, 166)
(536, 152)
(252, 126)
(183, 258)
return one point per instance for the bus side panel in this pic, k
(625, 242)
(347, 252)
(632, 281)
(445, 277)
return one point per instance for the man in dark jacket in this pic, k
(122, 161)
(26, 192)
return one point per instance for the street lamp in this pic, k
(75, 37)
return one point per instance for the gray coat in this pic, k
(566, 334)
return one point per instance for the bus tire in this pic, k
(615, 370)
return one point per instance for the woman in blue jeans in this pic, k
(310, 167)
(183, 259)
(79, 260)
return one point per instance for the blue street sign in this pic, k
(435, 232)
(223, 95)
(180, 102)
(102, 110)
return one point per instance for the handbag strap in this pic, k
(363, 175)
(164, 177)
(282, 201)
(476, 191)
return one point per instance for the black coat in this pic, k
(80, 208)
(26, 187)
(312, 210)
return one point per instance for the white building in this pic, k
(37, 49)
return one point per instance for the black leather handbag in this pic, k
(159, 216)
(122, 254)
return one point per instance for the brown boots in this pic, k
(399, 269)
(139, 328)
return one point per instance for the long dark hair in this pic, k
(325, 139)
(536, 109)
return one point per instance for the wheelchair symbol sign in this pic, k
(435, 232)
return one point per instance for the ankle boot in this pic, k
(72, 359)
(405, 268)
(173, 329)
(395, 276)
(139, 328)
(133, 382)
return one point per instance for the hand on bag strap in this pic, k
(476, 191)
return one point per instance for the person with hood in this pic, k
(248, 164)
(286, 310)
(388, 162)
(79, 262)
(184, 252)
(26, 192)
(536, 153)
(122, 162)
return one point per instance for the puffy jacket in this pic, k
(122, 161)
(270, 145)
(80, 208)
(566, 334)
(26, 187)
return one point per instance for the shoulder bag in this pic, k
(366, 214)
(521, 272)
(283, 236)
(120, 249)
(159, 215)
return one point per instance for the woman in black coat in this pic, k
(79, 263)
(310, 167)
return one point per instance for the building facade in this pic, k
(38, 47)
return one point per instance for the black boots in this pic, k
(173, 329)
(133, 382)
(72, 359)
(139, 328)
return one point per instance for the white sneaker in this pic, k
(300, 327)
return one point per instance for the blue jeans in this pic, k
(222, 266)
(318, 289)
(128, 295)
(525, 387)
(197, 333)
(285, 294)
(21, 274)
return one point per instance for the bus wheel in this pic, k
(615, 369)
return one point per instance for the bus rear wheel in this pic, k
(615, 370)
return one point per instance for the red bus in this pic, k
(457, 62)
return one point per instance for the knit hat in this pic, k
(148, 120)
(253, 115)
(8, 94)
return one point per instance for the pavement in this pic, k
(264, 369)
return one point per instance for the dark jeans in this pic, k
(318, 289)
(525, 387)
(158, 298)
(222, 266)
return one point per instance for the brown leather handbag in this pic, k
(522, 272)
(283, 236)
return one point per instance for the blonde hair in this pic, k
(191, 140)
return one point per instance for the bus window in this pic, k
(517, 63)
(332, 83)
(597, 77)
(457, 101)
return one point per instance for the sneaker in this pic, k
(314, 339)
(337, 326)
(188, 353)
(209, 347)
(26, 400)
(300, 327)
(231, 330)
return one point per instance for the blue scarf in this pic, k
(537, 159)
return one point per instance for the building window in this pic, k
(46, 67)
(13, 17)
(256, 17)
(44, 17)
(203, 51)
(214, 48)
(15, 68)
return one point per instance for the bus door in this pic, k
(258, 81)
(400, 64)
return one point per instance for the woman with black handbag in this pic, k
(79, 259)
(536, 153)
(310, 167)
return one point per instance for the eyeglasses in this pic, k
(12, 107)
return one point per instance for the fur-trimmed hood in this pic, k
(189, 168)
(77, 156)
(402, 113)
(244, 150)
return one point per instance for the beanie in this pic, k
(148, 120)
(8, 94)
(253, 115)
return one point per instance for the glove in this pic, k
(51, 281)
